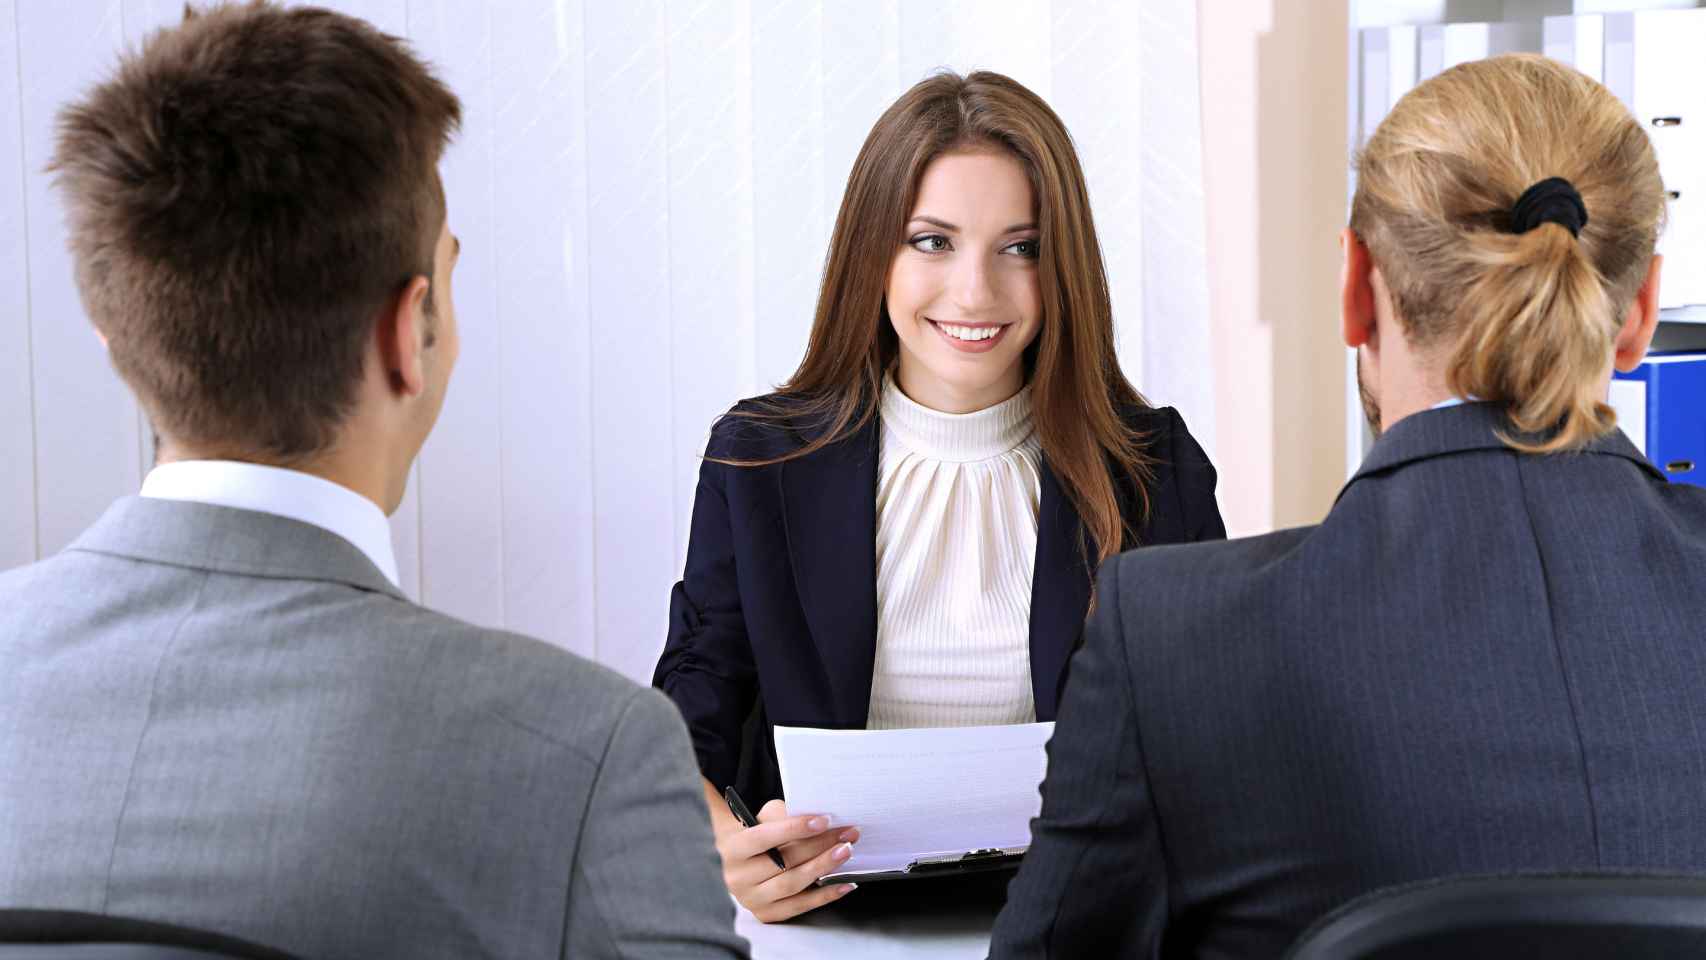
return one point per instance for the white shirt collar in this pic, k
(957, 437)
(286, 493)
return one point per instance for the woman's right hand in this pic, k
(807, 844)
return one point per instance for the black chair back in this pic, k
(1559, 916)
(104, 951)
(71, 935)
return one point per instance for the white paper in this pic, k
(917, 793)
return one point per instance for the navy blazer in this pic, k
(775, 618)
(1482, 661)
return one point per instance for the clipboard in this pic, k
(937, 865)
(969, 796)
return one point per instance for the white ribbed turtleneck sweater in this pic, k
(956, 546)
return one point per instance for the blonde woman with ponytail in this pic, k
(1488, 657)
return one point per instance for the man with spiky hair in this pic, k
(218, 710)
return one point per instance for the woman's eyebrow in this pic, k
(950, 228)
(934, 222)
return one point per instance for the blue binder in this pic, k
(1674, 432)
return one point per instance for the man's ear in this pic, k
(400, 335)
(1356, 291)
(1640, 322)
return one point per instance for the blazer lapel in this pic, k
(829, 504)
(1060, 593)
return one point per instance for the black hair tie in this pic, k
(1553, 200)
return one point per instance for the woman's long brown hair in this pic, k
(1077, 388)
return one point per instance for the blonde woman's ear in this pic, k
(1356, 290)
(1640, 322)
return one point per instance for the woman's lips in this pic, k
(970, 346)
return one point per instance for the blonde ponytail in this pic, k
(1536, 330)
(1522, 317)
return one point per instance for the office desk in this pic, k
(905, 920)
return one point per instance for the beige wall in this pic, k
(1275, 175)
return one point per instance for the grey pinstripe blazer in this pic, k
(233, 721)
(1482, 661)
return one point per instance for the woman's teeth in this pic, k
(969, 333)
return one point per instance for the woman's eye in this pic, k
(929, 243)
(1024, 248)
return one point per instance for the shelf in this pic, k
(1695, 313)
(1680, 336)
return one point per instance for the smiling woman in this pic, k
(962, 294)
(905, 534)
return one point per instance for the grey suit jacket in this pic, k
(232, 721)
(1481, 662)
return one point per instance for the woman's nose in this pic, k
(973, 290)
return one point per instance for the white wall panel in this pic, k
(710, 228)
(87, 435)
(1402, 56)
(1098, 93)
(391, 16)
(1009, 36)
(460, 476)
(645, 194)
(1578, 41)
(926, 44)
(789, 219)
(143, 17)
(1430, 52)
(17, 416)
(1173, 319)
(861, 79)
(628, 157)
(540, 238)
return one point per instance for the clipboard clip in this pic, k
(987, 856)
(937, 865)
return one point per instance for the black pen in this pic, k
(738, 808)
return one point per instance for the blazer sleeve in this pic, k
(1094, 882)
(1195, 478)
(707, 666)
(647, 880)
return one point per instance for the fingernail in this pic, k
(817, 824)
(847, 888)
(849, 835)
(842, 852)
